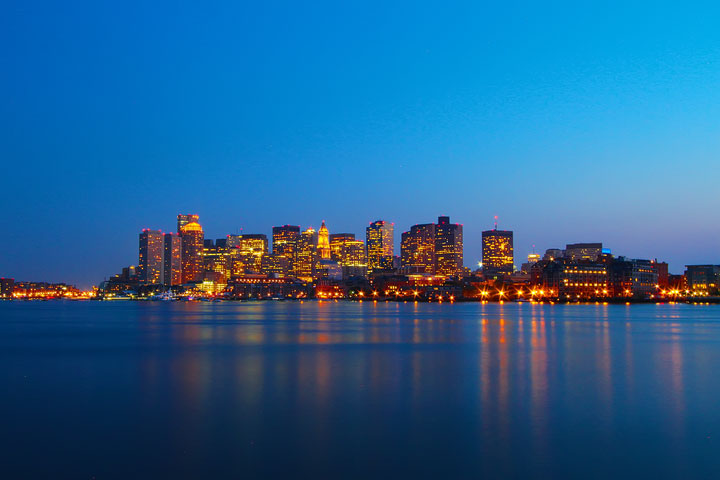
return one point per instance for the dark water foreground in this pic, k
(338, 390)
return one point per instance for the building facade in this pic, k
(192, 252)
(448, 247)
(150, 256)
(498, 256)
(172, 259)
(417, 249)
(379, 238)
(184, 219)
(576, 252)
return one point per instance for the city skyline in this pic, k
(475, 244)
(572, 124)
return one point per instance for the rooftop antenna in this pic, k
(496, 222)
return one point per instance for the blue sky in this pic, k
(571, 122)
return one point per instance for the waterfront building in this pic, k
(215, 259)
(192, 252)
(172, 259)
(323, 242)
(417, 249)
(184, 219)
(448, 247)
(248, 249)
(150, 256)
(497, 252)
(632, 277)
(349, 253)
(306, 255)
(285, 240)
(379, 246)
(275, 265)
(583, 251)
(663, 274)
(7, 285)
(703, 279)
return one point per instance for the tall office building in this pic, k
(150, 259)
(184, 219)
(285, 239)
(324, 242)
(150, 256)
(306, 255)
(497, 252)
(448, 247)
(417, 249)
(248, 250)
(349, 253)
(379, 246)
(172, 259)
(215, 259)
(192, 252)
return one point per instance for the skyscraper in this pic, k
(324, 242)
(192, 252)
(448, 247)
(417, 249)
(184, 219)
(285, 239)
(497, 252)
(150, 259)
(306, 255)
(379, 245)
(248, 249)
(349, 253)
(172, 259)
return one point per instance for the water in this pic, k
(342, 390)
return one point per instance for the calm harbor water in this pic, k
(364, 390)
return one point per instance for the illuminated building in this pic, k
(172, 259)
(533, 258)
(583, 251)
(349, 253)
(448, 247)
(379, 246)
(430, 248)
(183, 220)
(497, 252)
(703, 279)
(583, 280)
(285, 240)
(215, 259)
(306, 255)
(417, 249)
(636, 278)
(323, 242)
(192, 252)
(7, 285)
(150, 264)
(663, 274)
(248, 250)
(275, 265)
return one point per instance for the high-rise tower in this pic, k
(324, 242)
(192, 251)
(150, 258)
(379, 244)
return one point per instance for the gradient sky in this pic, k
(571, 122)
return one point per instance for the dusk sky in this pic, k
(571, 123)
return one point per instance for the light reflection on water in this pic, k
(357, 389)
